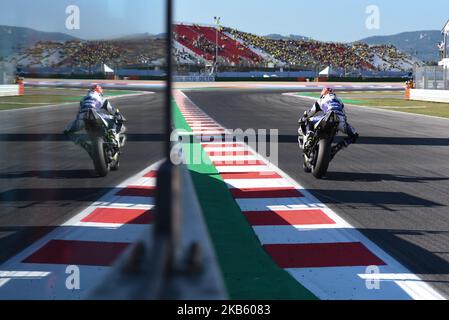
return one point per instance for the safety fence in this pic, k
(432, 77)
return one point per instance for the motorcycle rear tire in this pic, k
(99, 157)
(323, 159)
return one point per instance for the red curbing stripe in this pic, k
(202, 128)
(206, 126)
(224, 145)
(137, 191)
(203, 124)
(120, 216)
(278, 192)
(87, 253)
(231, 163)
(322, 255)
(195, 118)
(151, 174)
(250, 175)
(291, 217)
(209, 131)
(230, 153)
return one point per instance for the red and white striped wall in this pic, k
(310, 241)
(92, 241)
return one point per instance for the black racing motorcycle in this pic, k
(318, 151)
(105, 141)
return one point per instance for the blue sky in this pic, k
(98, 18)
(330, 20)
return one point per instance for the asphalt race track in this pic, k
(393, 185)
(45, 179)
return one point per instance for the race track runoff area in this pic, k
(374, 228)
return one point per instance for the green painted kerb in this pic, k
(249, 273)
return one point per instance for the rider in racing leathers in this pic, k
(328, 102)
(93, 100)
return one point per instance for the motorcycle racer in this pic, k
(94, 100)
(328, 102)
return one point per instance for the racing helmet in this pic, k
(97, 88)
(327, 91)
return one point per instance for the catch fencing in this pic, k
(432, 78)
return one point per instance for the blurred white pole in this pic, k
(217, 22)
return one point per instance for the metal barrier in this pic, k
(178, 262)
(204, 78)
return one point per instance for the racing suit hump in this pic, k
(332, 103)
(93, 100)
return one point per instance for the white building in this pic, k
(432, 82)
(445, 59)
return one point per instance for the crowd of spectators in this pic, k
(203, 41)
(88, 54)
(310, 53)
(205, 45)
(394, 59)
(184, 57)
(232, 51)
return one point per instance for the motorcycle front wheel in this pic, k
(99, 157)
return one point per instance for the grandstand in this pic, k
(203, 41)
(198, 45)
(310, 53)
(89, 56)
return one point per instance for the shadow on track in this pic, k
(55, 137)
(51, 174)
(375, 177)
(394, 141)
(381, 199)
(16, 238)
(41, 195)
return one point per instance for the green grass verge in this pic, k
(390, 101)
(249, 273)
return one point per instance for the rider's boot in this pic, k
(344, 144)
(122, 140)
(338, 147)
